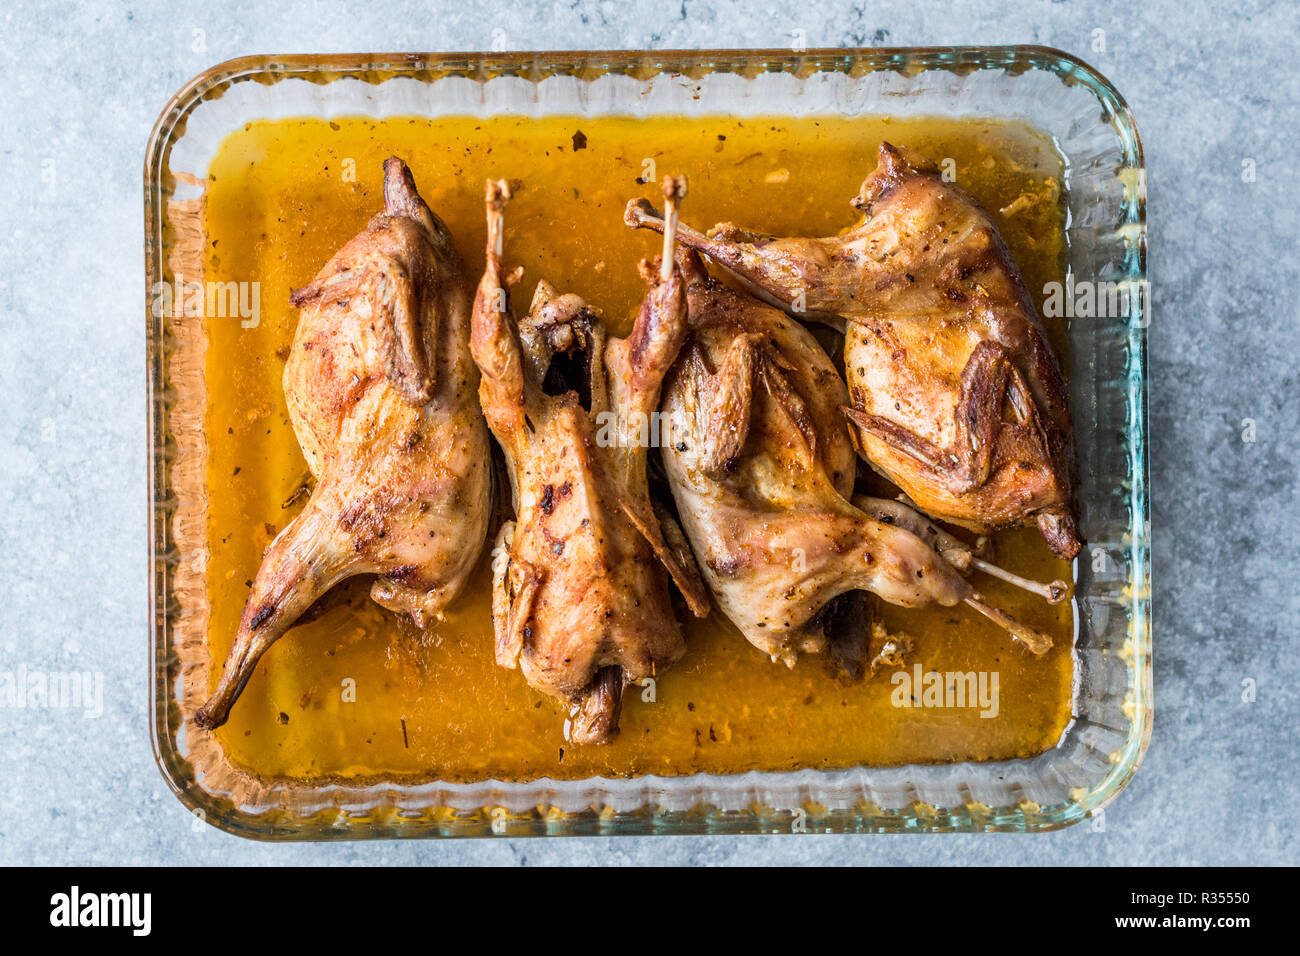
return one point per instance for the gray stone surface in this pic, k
(80, 87)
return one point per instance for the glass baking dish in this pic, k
(1094, 132)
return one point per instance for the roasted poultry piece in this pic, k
(761, 467)
(380, 388)
(956, 395)
(580, 595)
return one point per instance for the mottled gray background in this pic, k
(81, 85)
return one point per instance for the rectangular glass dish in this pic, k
(1089, 126)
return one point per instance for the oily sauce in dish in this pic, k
(354, 692)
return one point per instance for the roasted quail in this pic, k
(956, 395)
(761, 468)
(581, 602)
(381, 391)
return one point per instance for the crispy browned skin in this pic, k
(580, 598)
(761, 467)
(956, 395)
(381, 393)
